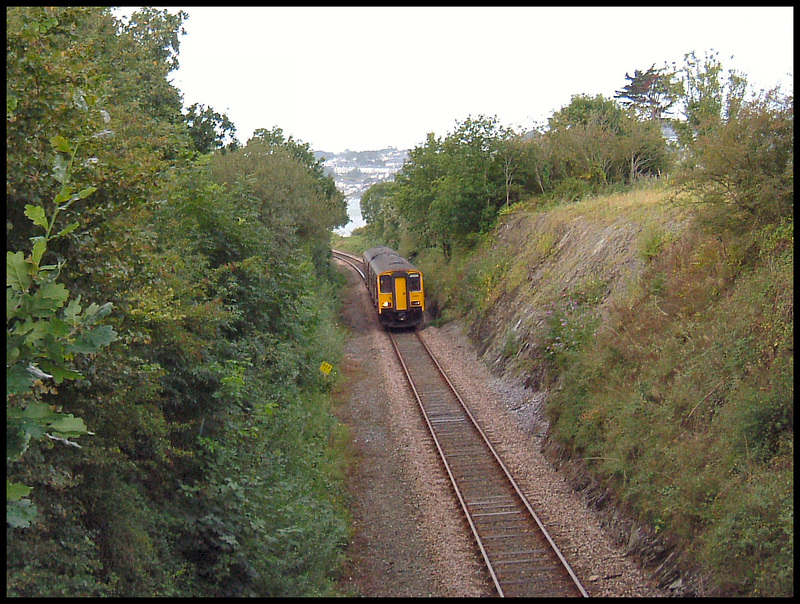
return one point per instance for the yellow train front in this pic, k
(395, 286)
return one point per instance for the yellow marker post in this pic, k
(325, 368)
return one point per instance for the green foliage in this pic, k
(743, 168)
(380, 212)
(42, 339)
(683, 406)
(572, 323)
(650, 93)
(594, 143)
(584, 110)
(209, 130)
(707, 97)
(450, 189)
(653, 241)
(287, 187)
(214, 462)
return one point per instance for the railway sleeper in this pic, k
(538, 578)
(538, 555)
(547, 553)
(467, 469)
(500, 507)
(527, 565)
(444, 419)
(505, 536)
(467, 451)
(505, 513)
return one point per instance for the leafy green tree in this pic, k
(42, 339)
(584, 110)
(415, 191)
(378, 208)
(451, 189)
(73, 74)
(148, 43)
(744, 167)
(536, 162)
(306, 210)
(594, 142)
(475, 177)
(707, 96)
(51, 90)
(513, 153)
(641, 151)
(209, 130)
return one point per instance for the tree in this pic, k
(52, 90)
(415, 191)
(474, 180)
(209, 130)
(744, 167)
(512, 153)
(650, 93)
(42, 339)
(584, 109)
(301, 152)
(708, 97)
(218, 326)
(593, 142)
(536, 172)
(286, 187)
(378, 210)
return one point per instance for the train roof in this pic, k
(383, 259)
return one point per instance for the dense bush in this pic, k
(452, 189)
(189, 307)
(684, 404)
(744, 167)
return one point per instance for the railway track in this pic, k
(520, 556)
(354, 261)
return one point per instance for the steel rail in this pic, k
(449, 470)
(496, 458)
(356, 263)
(352, 260)
(507, 473)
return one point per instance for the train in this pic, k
(396, 288)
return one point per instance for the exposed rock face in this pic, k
(556, 257)
(409, 538)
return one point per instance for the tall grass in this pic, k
(673, 384)
(684, 405)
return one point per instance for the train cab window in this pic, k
(414, 282)
(386, 284)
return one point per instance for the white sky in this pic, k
(365, 78)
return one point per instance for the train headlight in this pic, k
(387, 304)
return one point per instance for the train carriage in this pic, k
(395, 286)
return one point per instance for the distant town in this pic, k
(356, 171)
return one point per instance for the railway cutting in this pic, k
(520, 557)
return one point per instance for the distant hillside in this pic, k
(356, 171)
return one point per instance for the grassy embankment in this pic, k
(666, 348)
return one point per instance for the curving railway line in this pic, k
(519, 554)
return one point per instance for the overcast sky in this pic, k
(364, 78)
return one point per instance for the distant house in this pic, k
(668, 132)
